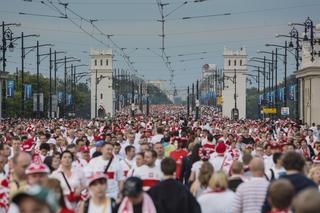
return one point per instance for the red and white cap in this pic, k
(96, 176)
(84, 149)
(27, 145)
(221, 148)
(37, 168)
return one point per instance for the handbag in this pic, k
(72, 197)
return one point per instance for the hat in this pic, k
(100, 143)
(34, 168)
(27, 145)
(133, 186)
(84, 149)
(96, 176)
(204, 153)
(221, 148)
(40, 194)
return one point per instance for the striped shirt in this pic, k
(250, 195)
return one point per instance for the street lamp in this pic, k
(23, 55)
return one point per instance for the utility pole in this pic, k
(276, 81)
(140, 102)
(259, 105)
(65, 88)
(132, 99)
(188, 102)
(147, 100)
(192, 96)
(38, 83)
(50, 83)
(235, 88)
(96, 96)
(22, 75)
(197, 101)
(285, 74)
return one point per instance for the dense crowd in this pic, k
(166, 163)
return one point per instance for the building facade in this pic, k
(102, 94)
(309, 81)
(234, 77)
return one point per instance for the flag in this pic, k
(60, 97)
(69, 99)
(27, 92)
(281, 94)
(260, 99)
(9, 88)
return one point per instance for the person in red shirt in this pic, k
(178, 154)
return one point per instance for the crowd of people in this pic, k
(166, 163)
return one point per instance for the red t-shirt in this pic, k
(177, 155)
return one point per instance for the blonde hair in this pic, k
(205, 173)
(312, 171)
(219, 180)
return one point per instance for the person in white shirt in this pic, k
(277, 169)
(267, 157)
(149, 173)
(219, 198)
(128, 162)
(157, 138)
(158, 147)
(71, 178)
(110, 165)
(130, 141)
(139, 161)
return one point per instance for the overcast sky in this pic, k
(134, 26)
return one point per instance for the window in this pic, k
(235, 62)
(240, 62)
(101, 96)
(95, 62)
(101, 62)
(107, 62)
(229, 62)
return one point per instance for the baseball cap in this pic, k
(34, 168)
(96, 176)
(132, 187)
(100, 143)
(84, 149)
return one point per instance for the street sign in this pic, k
(219, 100)
(285, 111)
(269, 110)
(197, 103)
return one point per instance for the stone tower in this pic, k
(234, 69)
(101, 83)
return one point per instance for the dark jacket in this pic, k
(170, 196)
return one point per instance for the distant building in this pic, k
(101, 83)
(208, 70)
(234, 65)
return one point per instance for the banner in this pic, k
(260, 99)
(281, 94)
(292, 93)
(27, 92)
(60, 97)
(9, 88)
(69, 99)
(35, 102)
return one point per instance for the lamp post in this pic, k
(23, 55)
(38, 73)
(197, 101)
(188, 101)
(7, 35)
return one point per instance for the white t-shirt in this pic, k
(76, 180)
(156, 138)
(196, 168)
(99, 209)
(150, 176)
(268, 162)
(216, 202)
(127, 165)
(114, 173)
